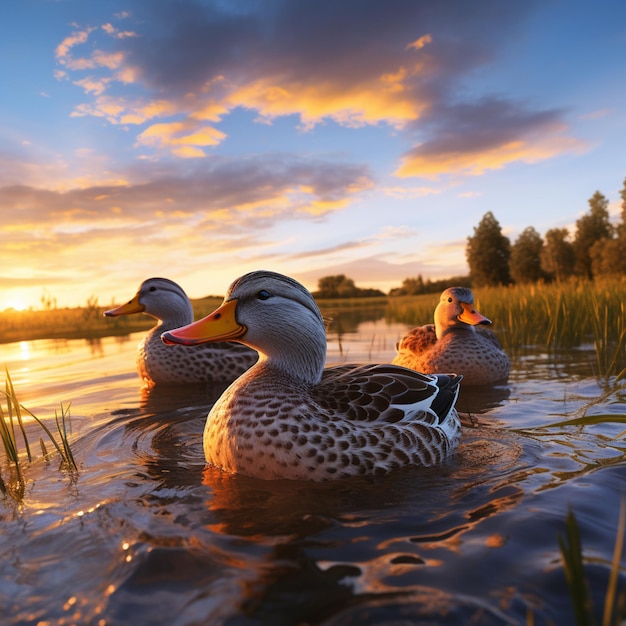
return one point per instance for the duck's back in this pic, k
(475, 354)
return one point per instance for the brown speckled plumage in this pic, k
(288, 417)
(166, 301)
(452, 345)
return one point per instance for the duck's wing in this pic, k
(418, 339)
(385, 393)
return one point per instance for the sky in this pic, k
(198, 140)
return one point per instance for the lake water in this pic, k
(144, 533)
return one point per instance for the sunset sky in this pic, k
(198, 140)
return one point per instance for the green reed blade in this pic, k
(18, 413)
(68, 456)
(572, 555)
(46, 429)
(586, 420)
(610, 600)
(44, 450)
(8, 437)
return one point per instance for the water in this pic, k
(146, 534)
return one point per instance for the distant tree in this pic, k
(339, 286)
(410, 287)
(621, 228)
(608, 256)
(488, 252)
(525, 263)
(557, 254)
(418, 286)
(591, 227)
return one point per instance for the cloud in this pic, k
(357, 62)
(409, 193)
(222, 196)
(473, 138)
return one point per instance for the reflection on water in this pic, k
(146, 534)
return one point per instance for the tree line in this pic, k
(597, 248)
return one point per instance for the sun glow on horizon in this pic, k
(15, 305)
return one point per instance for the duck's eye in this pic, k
(263, 295)
(449, 299)
(153, 288)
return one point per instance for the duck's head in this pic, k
(456, 309)
(271, 313)
(160, 298)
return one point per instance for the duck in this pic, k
(456, 342)
(167, 302)
(291, 417)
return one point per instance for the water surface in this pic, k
(144, 533)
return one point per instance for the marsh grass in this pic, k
(549, 316)
(573, 565)
(11, 418)
(81, 322)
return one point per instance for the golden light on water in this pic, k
(25, 350)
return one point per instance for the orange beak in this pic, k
(471, 316)
(132, 306)
(221, 325)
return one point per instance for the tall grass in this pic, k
(551, 316)
(81, 322)
(573, 565)
(11, 416)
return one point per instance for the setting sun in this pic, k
(16, 304)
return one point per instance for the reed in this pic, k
(547, 316)
(573, 566)
(14, 412)
(86, 322)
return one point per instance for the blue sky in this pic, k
(201, 140)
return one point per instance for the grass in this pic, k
(550, 316)
(11, 419)
(86, 322)
(614, 609)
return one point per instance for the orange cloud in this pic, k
(380, 100)
(184, 138)
(475, 163)
(116, 33)
(418, 44)
(91, 85)
(121, 111)
(62, 51)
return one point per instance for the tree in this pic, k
(591, 227)
(488, 253)
(621, 228)
(525, 263)
(410, 287)
(418, 286)
(557, 255)
(608, 256)
(339, 286)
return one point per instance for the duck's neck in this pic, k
(174, 318)
(441, 331)
(301, 360)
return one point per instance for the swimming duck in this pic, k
(457, 342)
(289, 417)
(166, 301)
